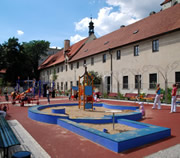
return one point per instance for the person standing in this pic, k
(157, 98)
(173, 98)
(6, 94)
(47, 93)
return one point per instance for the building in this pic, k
(49, 52)
(169, 3)
(138, 55)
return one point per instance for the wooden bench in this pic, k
(112, 95)
(7, 136)
(151, 97)
(131, 95)
(178, 97)
(30, 101)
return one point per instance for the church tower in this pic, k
(91, 27)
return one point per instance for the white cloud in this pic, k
(119, 12)
(20, 33)
(139, 9)
(76, 38)
(82, 25)
(55, 47)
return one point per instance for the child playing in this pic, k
(141, 108)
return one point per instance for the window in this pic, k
(61, 68)
(71, 83)
(48, 72)
(77, 65)
(66, 67)
(136, 50)
(57, 85)
(92, 61)
(118, 55)
(177, 78)
(54, 71)
(61, 85)
(43, 73)
(66, 86)
(84, 62)
(155, 46)
(125, 82)
(58, 70)
(71, 66)
(152, 81)
(104, 58)
(77, 83)
(137, 81)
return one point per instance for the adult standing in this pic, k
(157, 98)
(48, 93)
(6, 94)
(173, 98)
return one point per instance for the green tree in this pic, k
(12, 58)
(96, 77)
(34, 50)
(2, 57)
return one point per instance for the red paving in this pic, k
(61, 143)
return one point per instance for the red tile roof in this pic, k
(3, 71)
(59, 56)
(154, 25)
(166, 1)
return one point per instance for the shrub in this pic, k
(105, 95)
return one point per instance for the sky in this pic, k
(58, 20)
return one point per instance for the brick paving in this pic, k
(61, 143)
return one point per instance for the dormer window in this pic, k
(135, 31)
(106, 42)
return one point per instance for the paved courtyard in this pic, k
(58, 142)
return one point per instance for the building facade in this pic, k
(138, 55)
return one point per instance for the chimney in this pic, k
(66, 45)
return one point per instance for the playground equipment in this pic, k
(26, 96)
(86, 91)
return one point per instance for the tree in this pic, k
(96, 77)
(34, 50)
(12, 59)
(164, 72)
(2, 57)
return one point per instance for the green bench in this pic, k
(7, 136)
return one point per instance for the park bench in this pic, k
(177, 99)
(7, 136)
(151, 97)
(112, 95)
(131, 96)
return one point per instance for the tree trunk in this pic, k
(166, 90)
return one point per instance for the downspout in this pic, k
(111, 69)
